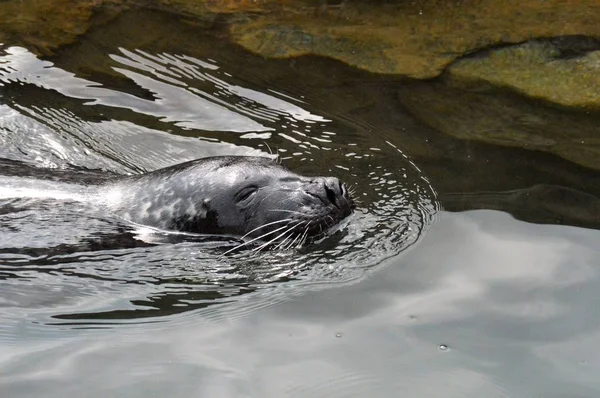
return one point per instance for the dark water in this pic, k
(405, 298)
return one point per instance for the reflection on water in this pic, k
(171, 102)
(510, 300)
(548, 204)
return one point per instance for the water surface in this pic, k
(402, 298)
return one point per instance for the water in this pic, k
(55, 234)
(403, 298)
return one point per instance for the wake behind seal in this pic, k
(250, 197)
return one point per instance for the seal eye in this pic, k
(245, 194)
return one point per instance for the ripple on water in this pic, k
(61, 263)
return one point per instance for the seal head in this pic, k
(250, 197)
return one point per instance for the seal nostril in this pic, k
(331, 195)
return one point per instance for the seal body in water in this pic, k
(249, 197)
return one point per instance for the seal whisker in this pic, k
(270, 150)
(305, 234)
(257, 238)
(266, 225)
(281, 243)
(274, 239)
(291, 244)
(284, 241)
(332, 221)
(300, 238)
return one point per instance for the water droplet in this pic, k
(338, 335)
(443, 347)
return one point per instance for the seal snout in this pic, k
(330, 190)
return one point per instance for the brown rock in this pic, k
(417, 39)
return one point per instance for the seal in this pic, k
(254, 198)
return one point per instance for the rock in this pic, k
(565, 70)
(416, 39)
(44, 25)
(412, 38)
